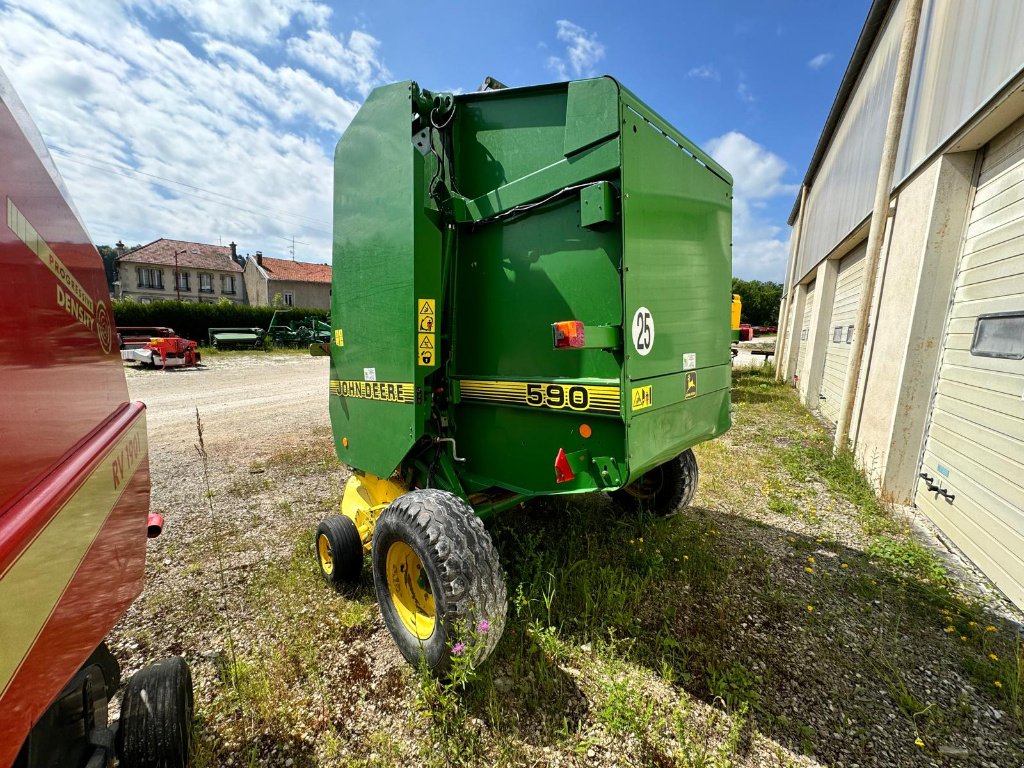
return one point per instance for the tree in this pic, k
(760, 300)
(109, 256)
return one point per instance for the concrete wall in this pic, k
(915, 289)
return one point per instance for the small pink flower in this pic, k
(483, 626)
(458, 648)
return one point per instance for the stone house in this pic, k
(292, 283)
(176, 269)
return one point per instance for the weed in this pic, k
(910, 558)
(734, 684)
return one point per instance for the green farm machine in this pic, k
(531, 298)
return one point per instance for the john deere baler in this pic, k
(531, 296)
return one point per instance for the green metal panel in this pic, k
(554, 203)
(386, 257)
(677, 232)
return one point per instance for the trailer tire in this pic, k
(458, 597)
(339, 550)
(155, 730)
(667, 488)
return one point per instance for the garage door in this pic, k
(973, 465)
(805, 331)
(840, 332)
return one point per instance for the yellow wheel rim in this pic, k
(647, 486)
(410, 590)
(323, 549)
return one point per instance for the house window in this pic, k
(837, 334)
(227, 283)
(999, 335)
(849, 334)
(289, 299)
(205, 282)
(150, 278)
(181, 281)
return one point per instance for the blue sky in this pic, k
(215, 120)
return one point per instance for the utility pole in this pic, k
(177, 275)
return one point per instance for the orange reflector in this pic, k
(568, 333)
(344, 442)
(585, 431)
(563, 472)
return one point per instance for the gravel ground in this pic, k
(271, 473)
(747, 360)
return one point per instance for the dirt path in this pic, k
(259, 395)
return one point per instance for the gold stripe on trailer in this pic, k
(568, 397)
(384, 391)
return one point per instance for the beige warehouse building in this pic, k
(936, 411)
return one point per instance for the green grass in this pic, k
(644, 640)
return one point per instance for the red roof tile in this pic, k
(297, 271)
(194, 255)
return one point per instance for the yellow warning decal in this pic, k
(339, 338)
(385, 391)
(691, 385)
(574, 397)
(426, 349)
(642, 398)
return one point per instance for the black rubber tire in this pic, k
(155, 730)
(462, 570)
(346, 549)
(666, 489)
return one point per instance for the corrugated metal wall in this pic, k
(844, 188)
(966, 53)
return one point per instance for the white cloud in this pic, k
(583, 51)
(251, 143)
(760, 247)
(257, 20)
(354, 64)
(820, 60)
(744, 92)
(704, 72)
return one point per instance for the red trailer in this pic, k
(74, 490)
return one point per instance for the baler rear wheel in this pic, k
(339, 551)
(440, 586)
(155, 729)
(665, 489)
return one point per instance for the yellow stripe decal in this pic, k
(31, 588)
(569, 397)
(24, 230)
(385, 391)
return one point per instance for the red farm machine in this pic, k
(74, 492)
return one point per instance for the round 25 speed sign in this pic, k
(643, 331)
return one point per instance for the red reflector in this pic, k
(568, 333)
(563, 472)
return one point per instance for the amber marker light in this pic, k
(585, 431)
(344, 442)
